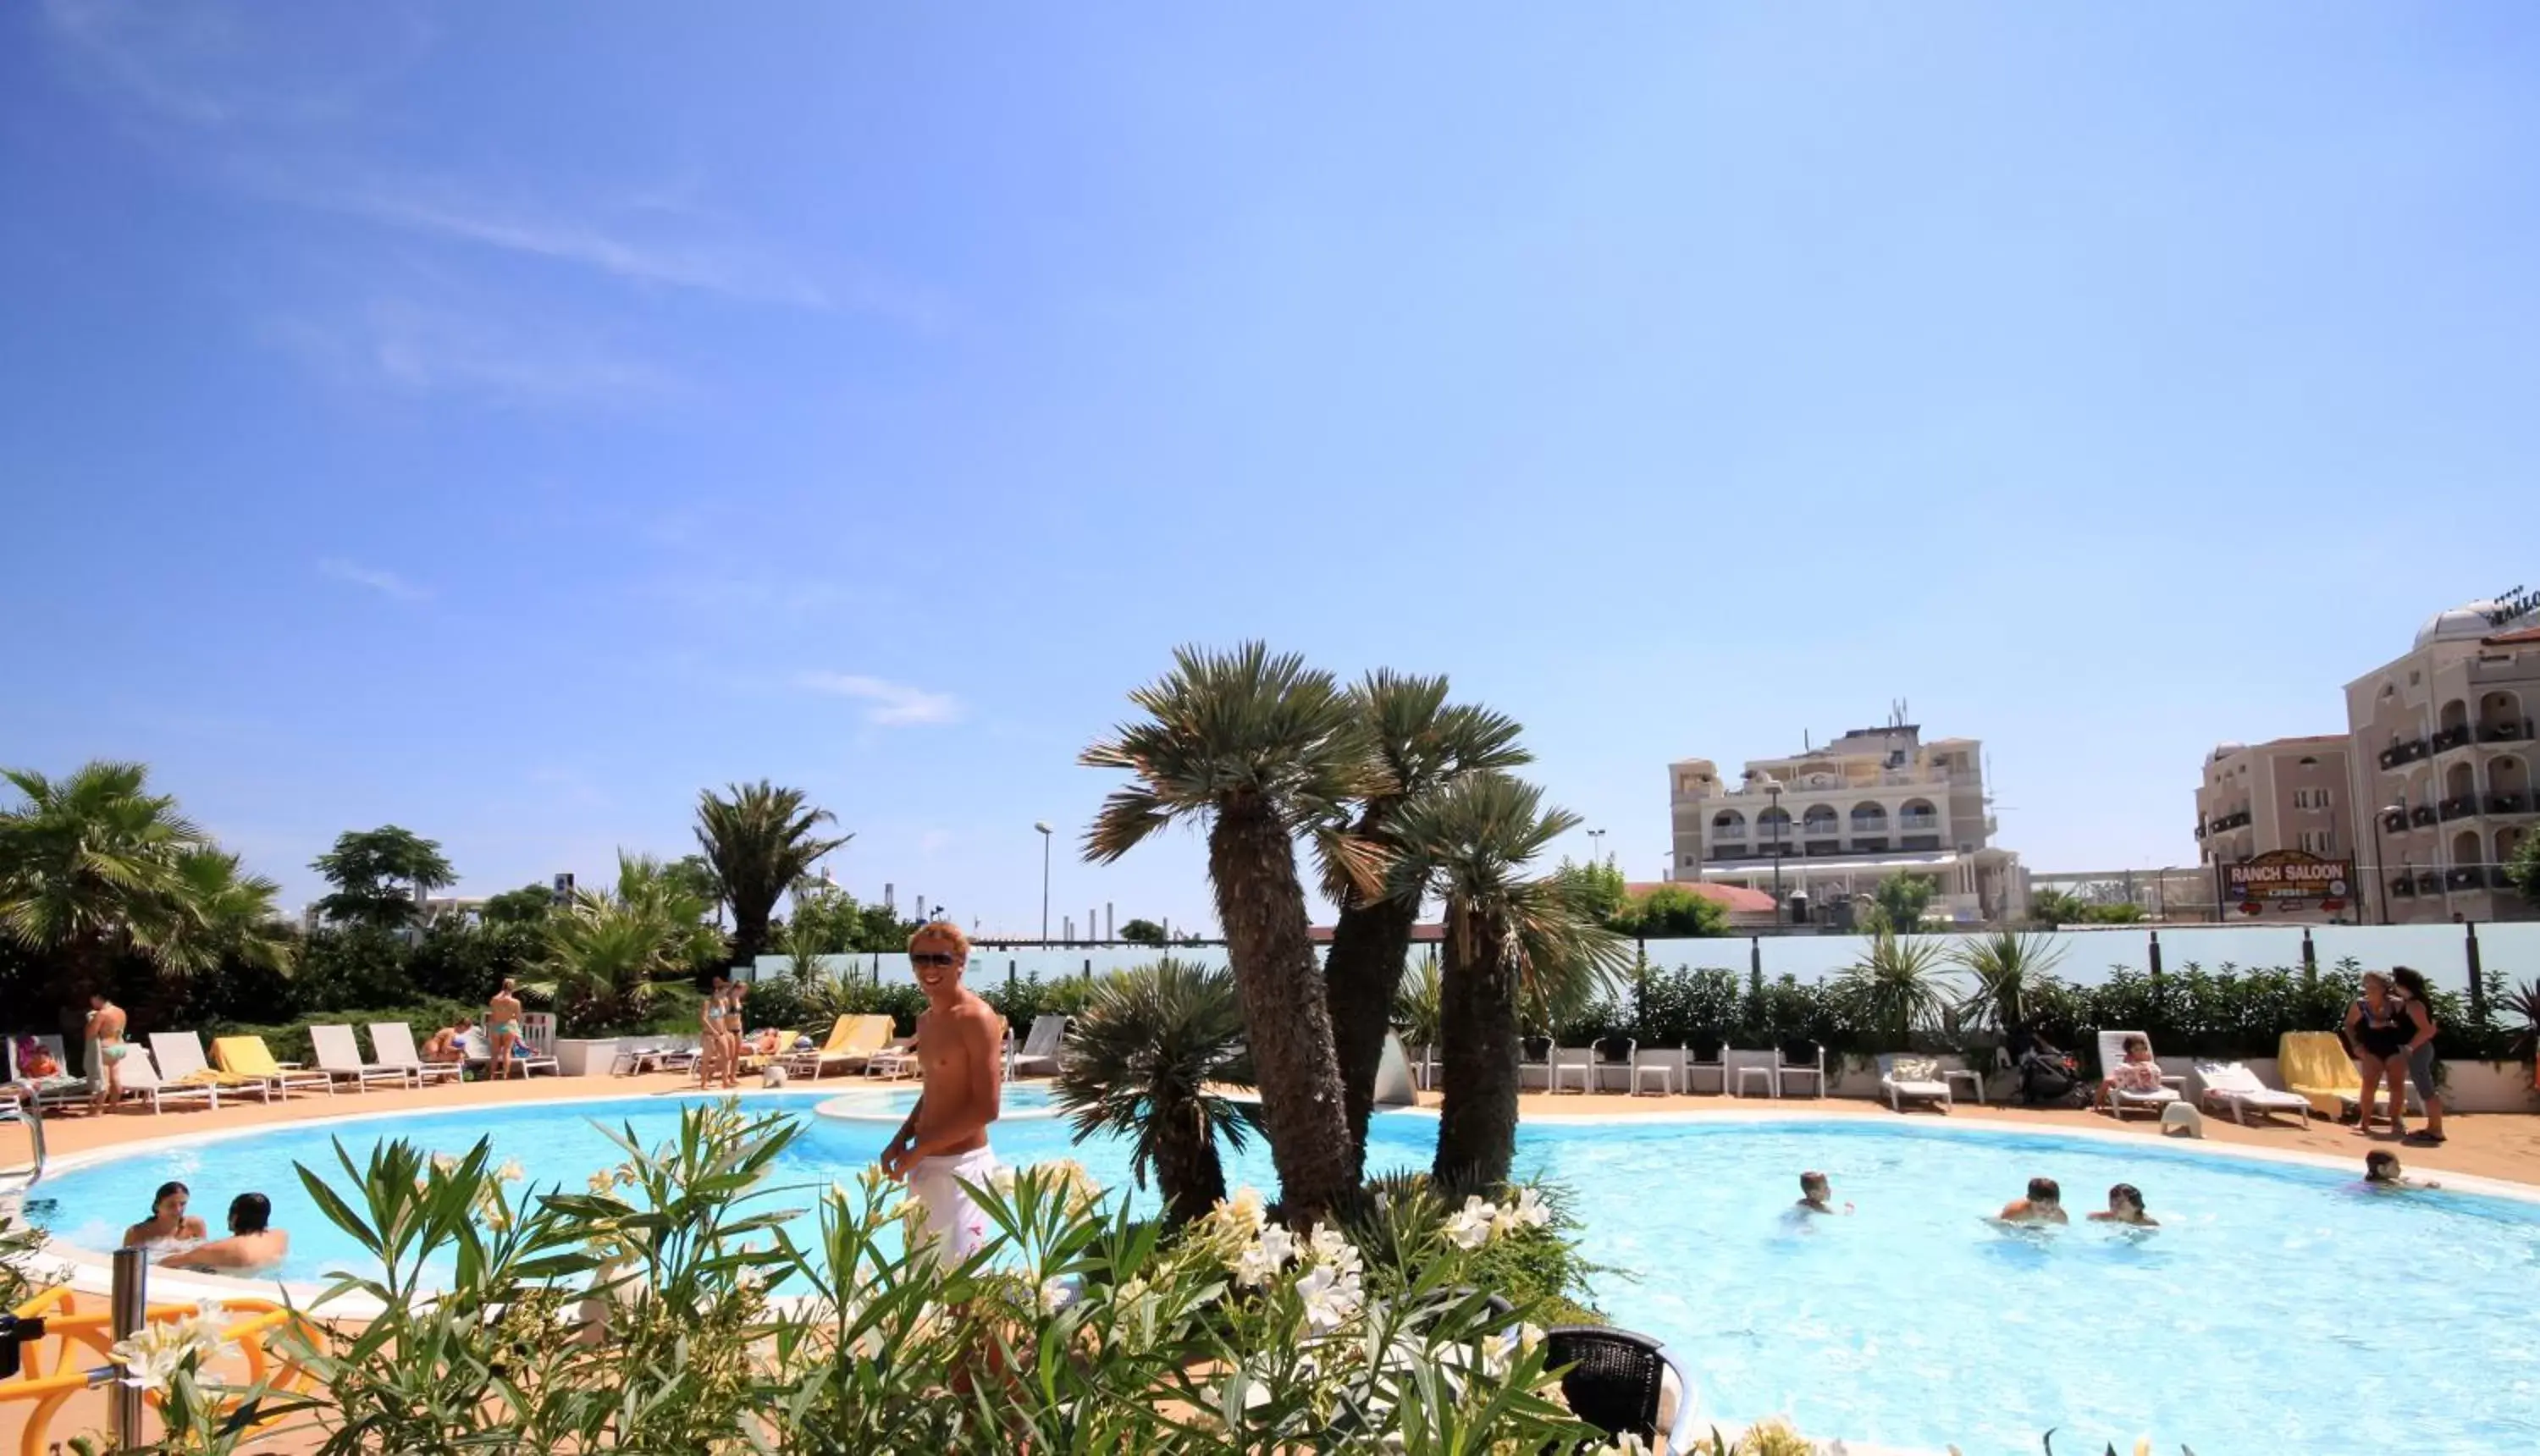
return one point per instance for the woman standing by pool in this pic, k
(2421, 1048)
(710, 1044)
(503, 1027)
(2378, 1030)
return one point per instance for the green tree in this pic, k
(91, 867)
(760, 843)
(696, 879)
(2114, 913)
(1600, 886)
(1900, 900)
(380, 874)
(1671, 911)
(1261, 749)
(2052, 908)
(609, 951)
(1143, 932)
(1895, 990)
(1509, 941)
(1146, 1060)
(529, 905)
(1422, 743)
(2523, 869)
(2008, 968)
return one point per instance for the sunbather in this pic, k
(1817, 1194)
(449, 1043)
(2125, 1205)
(2381, 1170)
(2139, 1072)
(35, 1061)
(2044, 1205)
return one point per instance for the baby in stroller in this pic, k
(2049, 1076)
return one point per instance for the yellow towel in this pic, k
(246, 1055)
(2314, 1065)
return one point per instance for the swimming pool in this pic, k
(2279, 1307)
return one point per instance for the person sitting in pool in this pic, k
(2137, 1072)
(168, 1224)
(252, 1246)
(1817, 1194)
(2125, 1205)
(2381, 1170)
(2044, 1205)
(449, 1043)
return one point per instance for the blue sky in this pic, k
(504, 423)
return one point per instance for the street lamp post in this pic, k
(1043, 826)
(2381, 851)
(1596, 844)
(1773, 791)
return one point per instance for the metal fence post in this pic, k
(127, 1306)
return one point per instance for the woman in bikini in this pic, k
(710, 1054)
(107, 1050)
(503, 1027)
(2378, 1030)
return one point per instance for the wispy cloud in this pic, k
(420, 348)
(892, 704)
(215, 65)
(386, 582)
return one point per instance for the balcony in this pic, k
(2498, 877)
(2429, 883)
(1918, 823)
(2422, 815)
(2505, 732)
(1821, 829)
(2458, 806)
(2395, 821)
(1728, 833)
(2238, 820)
(1912, 842)
(2200, 829)
(1876, 845)
(2465, 877)
(2451, 738)
(2406, 752)
(2402, 887)
(2508, 803)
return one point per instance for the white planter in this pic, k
(585, 1057)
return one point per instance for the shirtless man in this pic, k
(2044, 1205)
(503, 1027)
(252, 1247)
(107, 1050)
(945, 1141)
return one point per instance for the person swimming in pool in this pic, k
(169, 1229)
(1817, 1194)
(2381, 1170)
(2044, 1205)
(253, 1247)
(107, 1050)
(2125, 1205)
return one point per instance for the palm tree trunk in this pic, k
(1477, 1058)
(1360, 979)
(1261, 905)
(748, 934)
(1188, 1171)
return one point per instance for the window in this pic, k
(2316, 842)
(2310, 799)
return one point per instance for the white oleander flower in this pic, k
(1626, 1444)
(602, 1184)
(1473, 1227)
(1526, 1211)
(1333, 1250)
(1264, 1256)
(153, 1354)
(510, 1171)
(1331, 1298)
(1244, 1211)
(444, 1163)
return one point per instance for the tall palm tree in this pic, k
(1510, 939)
(1424, 744)
(1146, 1060)
(759, 841)
(1895, 990)
(234, 918)
(1260, 749)
(89, 867)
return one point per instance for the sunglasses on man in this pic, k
(933, 958)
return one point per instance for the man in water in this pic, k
(945, 1141)
(1817, 1194)
(107, 1049)
(2044, 1205)
(252, 1247)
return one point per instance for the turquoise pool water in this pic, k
(2278, 1309)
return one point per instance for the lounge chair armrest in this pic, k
(2169, 1080)
(292, 1066)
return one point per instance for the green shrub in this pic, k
(289, 1041)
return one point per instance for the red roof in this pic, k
(1735, 899)
(2518, 634)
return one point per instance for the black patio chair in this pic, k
(1613, 1378)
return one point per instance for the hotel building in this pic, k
(2289, 794)
(1837, 820)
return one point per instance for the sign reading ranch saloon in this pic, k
(2288, 880)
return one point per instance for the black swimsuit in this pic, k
(2383, 1039)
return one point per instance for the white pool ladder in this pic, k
(17, 1178)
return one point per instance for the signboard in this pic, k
(2513, 607)
(2289, 880)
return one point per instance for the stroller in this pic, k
(2048, 1076)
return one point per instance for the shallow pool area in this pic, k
(2280, 1307)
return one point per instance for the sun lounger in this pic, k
(249, 1056)
(853, 1041)
(61, 1090)
(339, 1056)
(2239, 1092)
(895, 1060)
(180, 1054)
(2119, 1100)
(1906, 1079)
(2316, 1064)
(138, 1079)
(393, 1043)
(1038, 1056)
(480, 1053)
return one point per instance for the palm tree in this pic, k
(1424, 744)
(1144, 1060)
(89, 867)
(1894, 988)
(758, 842)
(1260, 749)
(1509, 940)
(234, 918)
(2007, 966)
(607, 952)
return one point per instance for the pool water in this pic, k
(2278, 1309)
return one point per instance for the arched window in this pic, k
(1918, 817)
(1819, 820)
(1729, 824)
(1870, 818)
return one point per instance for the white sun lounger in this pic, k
(1918, 1080)
(480, 1052)
(339, 1056)
(61, 1090)
(180, 1054)
(2112, 1054)
(393, 1043)
(2239, 1092)
(138, 1079)
(1038, 1056)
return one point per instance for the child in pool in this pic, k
(1817, 1194)
(2126, 1205)
(2381, 1170)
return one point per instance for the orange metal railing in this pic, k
(53, 1368)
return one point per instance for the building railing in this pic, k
(2395, 821)
(2459, 805)
(2455, 736)
(2465, 877)
(2429, 883)
(2422, 815)
(2506, 731)
(2508, 803)
(2237, 819)
(2500, 878)
(2405, 751)
(2403, 886)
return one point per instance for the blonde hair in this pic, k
(941, 931)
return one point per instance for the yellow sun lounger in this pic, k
(2314, 1065)
(853, 1042)
(250, 1057)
